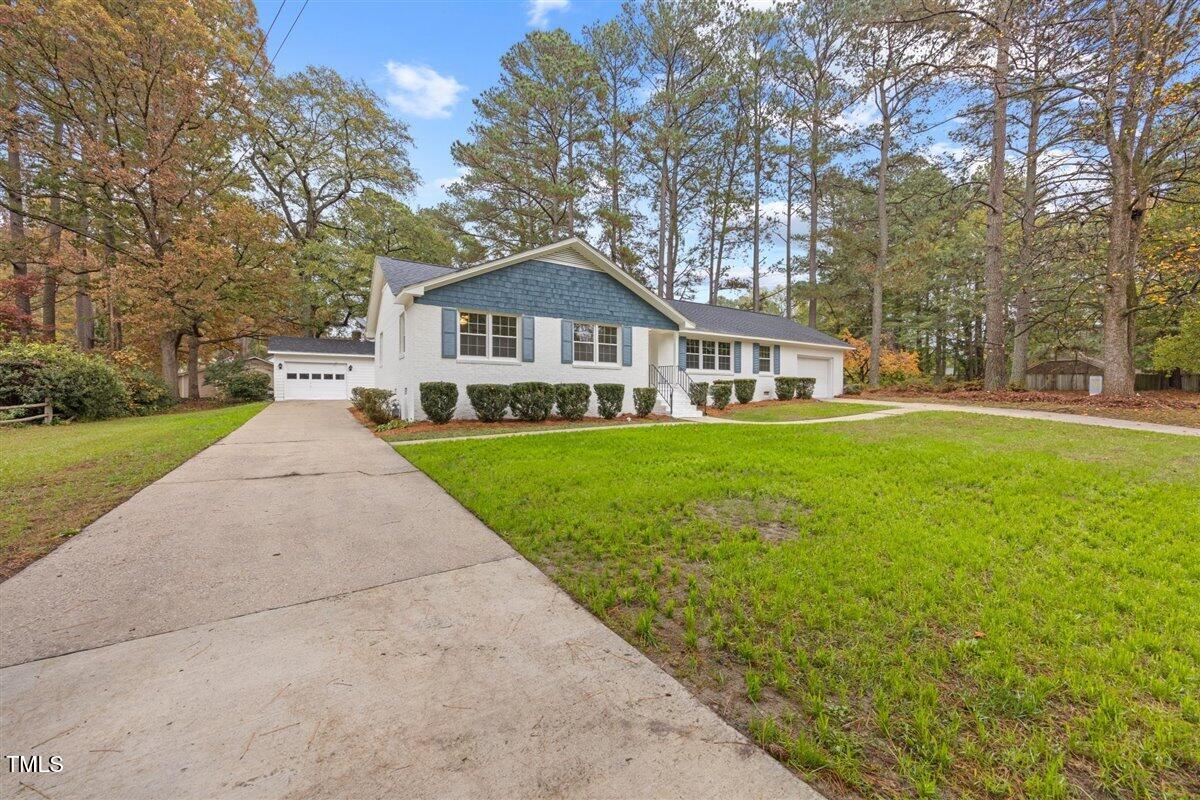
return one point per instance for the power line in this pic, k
(289, 31)
(271, 27)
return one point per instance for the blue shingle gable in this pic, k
(544, 289)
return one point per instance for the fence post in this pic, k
(49, 412)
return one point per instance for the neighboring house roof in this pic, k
(333, 347)
(405, 273)
(752, 324)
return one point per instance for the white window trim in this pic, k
(489, 358)
(716, 370)
(593, 363)
(402, 343)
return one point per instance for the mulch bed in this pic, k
(472, 427)
(1183, 401)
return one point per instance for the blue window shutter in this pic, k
(737, 357)
(527, 338)
(568, 355)
(754, 363)
(776, 358)
(449, 333)
(683, 352)
(626, 346)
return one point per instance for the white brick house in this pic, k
(564, 313)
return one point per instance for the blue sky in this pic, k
(428, 59)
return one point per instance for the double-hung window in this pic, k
(483, 335)
(709, 355)
(400, 335)
(764, 358)
(594, 344)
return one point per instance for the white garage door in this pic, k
(314, 381)
(809, 367)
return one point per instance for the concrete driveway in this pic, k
(298, 612)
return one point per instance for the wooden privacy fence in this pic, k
(46, 415)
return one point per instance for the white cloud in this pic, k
(421, 91)
(539, 11)
(446, 183)
(858, 117)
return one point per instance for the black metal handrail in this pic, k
(664, 387)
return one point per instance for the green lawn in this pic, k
(54, 481)
(423, 430)
(771, 411)
(930, 605)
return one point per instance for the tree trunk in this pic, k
(193, 367)
(1027, 254)
(881, 258)
(787, 228)
(1115, 333)
(993, 248)
(85, 314)
(755, 292)
(50, 278)
(16, 216)
(813, 200)
(168, 345)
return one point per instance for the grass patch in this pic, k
(792, 410)
(56, 480)
(965, 606)
(420, 431)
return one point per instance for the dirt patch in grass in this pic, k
(473, 427)
(771, 517)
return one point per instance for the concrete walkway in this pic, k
(298, 612)
(1024, 413)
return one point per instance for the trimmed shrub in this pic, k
(249, 385)
(643, 400)
(377, 405)
(571, 399)
(531, 401)
(785, 388)
(698, 394)
(356, 396)
(438, 399)
(744, 389)
(490, 400)
(721, 393)
(804, 387)
(609, 398)
(79, 385)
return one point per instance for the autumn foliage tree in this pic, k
(895, 365)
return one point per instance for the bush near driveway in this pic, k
(609, 398)
(531, 401)
(935, 604)
(249, 386)
(438, 400)
(490, 400)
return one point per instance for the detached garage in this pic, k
(320, 369)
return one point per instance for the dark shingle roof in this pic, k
(334, 347)
(405, 273)
(722, 319)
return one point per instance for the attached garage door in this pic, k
(809, 367)
(313, 381)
